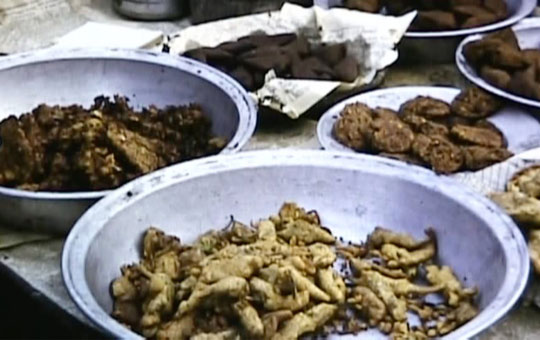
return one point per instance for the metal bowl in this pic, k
(151, 9)
(440, 46)
(77, 76)
(528, 34)
(353, 194)
(517, 125)
(518, 9)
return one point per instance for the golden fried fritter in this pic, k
(453, 290)
(353, 126)
(475, 103)
(534, 249)
(442, 155)
(254, 283)
(526, 181)
(480, 157)
(391, 135)
(426, 107)
(477, 136)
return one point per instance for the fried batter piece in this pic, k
(260, 282)
(140, 152)
(16, 154)
(273, 301)
(230, 286)
(426, 107)
(229, 334)
(249, 318)
(70, 148)
(240, 266)
(453, 291)
(273, 320)
(475, 103)
(332, 284)
(291, 211)
(526, 181)
(524, 209)
(305, 232)
(534, 249)
(182, 328)
(361, 265)
(384, 293)
(307, 322)
(400, 257)
(366, 301)
(374, 281)
(158, 303)
(381, 236)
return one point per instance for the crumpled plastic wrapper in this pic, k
(370, 38)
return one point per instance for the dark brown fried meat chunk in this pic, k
(250, 58)
(75, 149)
(353, 126)
(475, 103)
(426, 107)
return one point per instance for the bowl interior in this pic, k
(66, 81)
(351, 202)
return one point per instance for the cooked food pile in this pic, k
(445, 137)
(70, 148)
(441, 15)
(277, 280)
(500, 61)
(249, 59)
(522, 202)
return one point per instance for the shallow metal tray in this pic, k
(522, 131)
(353, 194)
(77, 76)
(528, 34)
(440, 46)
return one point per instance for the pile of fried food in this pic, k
(500, 61)
(249, 59)
(277, 280)
(445, 137)
(70, 148)
(439, 15)
(522, 202)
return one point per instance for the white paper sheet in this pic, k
(370, 38)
